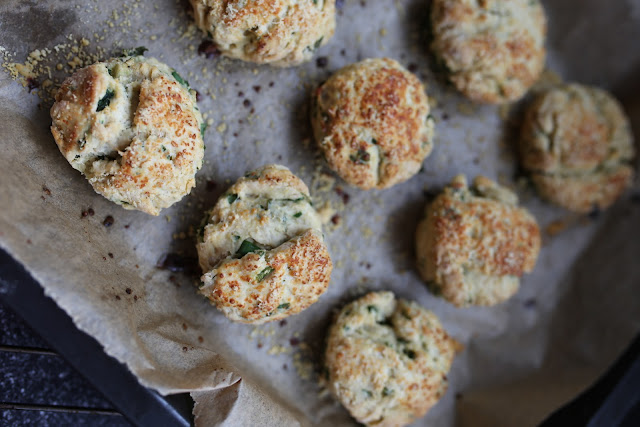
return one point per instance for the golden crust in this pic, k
(132, 130)
(371, 120)
(387, 360)
(493, 50)
(278, 32)
(273, 285)
(262, 250)
(474, 244)
(583, 194)
(577, 144)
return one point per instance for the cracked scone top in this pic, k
(473, 244)
(278, 32)
(577, 144)
(262, 250)
(132, 127)
(371, 120)
(492, 50)
(387, 360)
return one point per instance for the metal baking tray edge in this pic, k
(140, 405)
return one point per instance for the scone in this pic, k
(492, 50)
(473, 244)
(577, 145)
(277, 32)
(371, 120)
(262, 250)
(387, 360)
(132, 127)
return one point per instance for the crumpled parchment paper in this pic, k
(522, 359)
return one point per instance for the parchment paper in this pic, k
(522, 359)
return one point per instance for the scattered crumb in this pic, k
(326, 212)
(556, 227)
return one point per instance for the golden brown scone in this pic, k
(474, 243)
(277, 32)
(577, 144)
(371, 120)
(262, 250)
(492, 50)
(387, 360)
(132, 127)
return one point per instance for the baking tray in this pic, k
(581, 70)
(614, 400)
(140, 405)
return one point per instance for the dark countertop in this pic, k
(45, 388)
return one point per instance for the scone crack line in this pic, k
(263, 252)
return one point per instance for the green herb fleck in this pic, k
(284, 305)
(106, 100)
(374, 141)
(136, 51)
(201, 232)
(372, 309)
(236, 238)
(264, 273)
(367, 392)
(318, 43)
(203, 128)
(232, 198)
(409, 353)
(434, 288)
(163, 148)
(81, 143)
(387, 392)
(361, 157)
(179, 79)
(246, 247)
(297, 214)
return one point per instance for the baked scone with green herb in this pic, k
(283, 33)
(387, 360)
(473, 244)
(262, 250)
(578, 147)
(493, 51)
(132, 127)
(371, 120)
